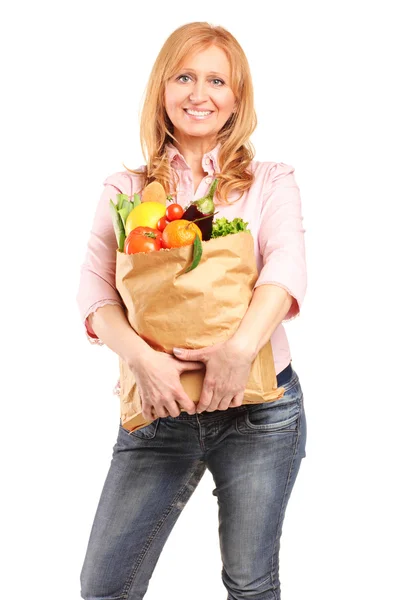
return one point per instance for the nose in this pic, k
(198, 92)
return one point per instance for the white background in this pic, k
(325, 78)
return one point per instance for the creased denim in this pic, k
(253, 452)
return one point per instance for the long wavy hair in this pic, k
(156, 129)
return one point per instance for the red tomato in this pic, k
(162, 223)
(142, 242)
(142, 230)
(174, 212)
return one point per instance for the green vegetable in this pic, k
(119, 228)
(125, 205)
(206, 204)
(120, 199)
(197, 254)
(223, 227)
(125, 210)
(136, 200)
(204, 207)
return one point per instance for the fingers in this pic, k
(206, 396)
(159, 411)
(208, 402)
(185, 402)
(237, 400)
(225, 402)
(147, 412)
(151, 412)
(164, 408)
(211, 398)
(189, 366)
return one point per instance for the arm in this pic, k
(281, 238)
(97, 280)
(157, 374)
(268, 307)
(280, 288)
(110, 324)
(99, 302)
(229, 363)
(277, 296)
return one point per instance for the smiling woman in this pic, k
(196, 122)
(203, 72)
(197, 102)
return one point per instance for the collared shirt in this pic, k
(272, 208)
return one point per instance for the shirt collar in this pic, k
(209, 160)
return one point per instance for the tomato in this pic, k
(162, 223)
(164, 244)
(174, 212)
(142, 230)
(145, 241)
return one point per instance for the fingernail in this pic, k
(177, 351)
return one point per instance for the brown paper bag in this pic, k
(200, 308)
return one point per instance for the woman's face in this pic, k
(202, 85)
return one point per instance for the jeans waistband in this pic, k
(285, 375)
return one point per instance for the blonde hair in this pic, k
(236, 151)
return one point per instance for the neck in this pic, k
(193, 150)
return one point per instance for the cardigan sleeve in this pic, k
(97, 277)
(281, 237)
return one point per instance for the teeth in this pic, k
(197, 113)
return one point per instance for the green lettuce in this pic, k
(223, 227)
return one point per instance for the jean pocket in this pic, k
(280, 416)
(148, 432)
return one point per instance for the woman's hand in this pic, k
(227, 373)
(157, 376)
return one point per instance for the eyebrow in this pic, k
(209, 73)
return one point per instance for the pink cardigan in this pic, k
(272, 207)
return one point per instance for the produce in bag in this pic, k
(191, 295)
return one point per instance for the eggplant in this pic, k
(201, 208)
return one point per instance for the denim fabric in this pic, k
(254, 453)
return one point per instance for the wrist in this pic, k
(135, 350)
(243, 345)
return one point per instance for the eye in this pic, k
(220, 80)
(180, 77)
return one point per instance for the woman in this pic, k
(196, 122)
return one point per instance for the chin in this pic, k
(204, 128)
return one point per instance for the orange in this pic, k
(180, 233)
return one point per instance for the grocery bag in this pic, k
(170, 308)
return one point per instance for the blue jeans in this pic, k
(254, 453)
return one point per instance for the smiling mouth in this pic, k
(198, 113)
